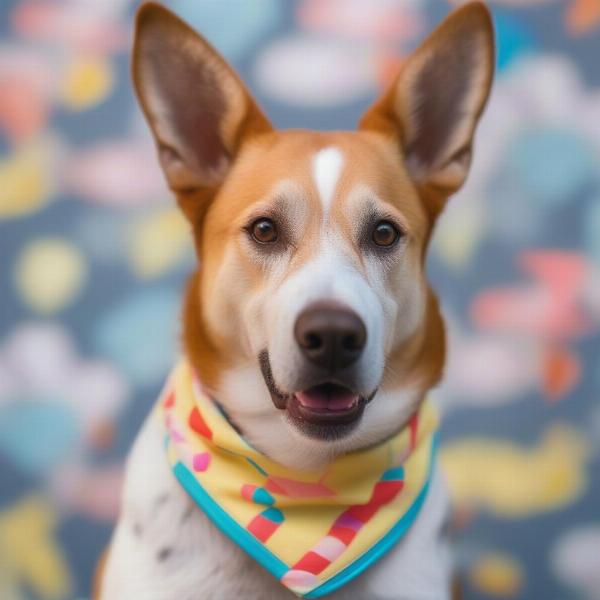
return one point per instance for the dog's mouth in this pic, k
(328, 410)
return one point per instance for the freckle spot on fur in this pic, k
(164, 553)
(161, 499)
(187, 513)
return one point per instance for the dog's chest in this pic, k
(164, 547)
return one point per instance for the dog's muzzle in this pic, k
(331, 338)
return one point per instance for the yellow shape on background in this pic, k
(49, 273)
(158, 242)
(498, 575)
(26, 178)
(457, 237)
(511, 481)
(88, 81)
(29, 555)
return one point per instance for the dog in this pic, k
(309, 320)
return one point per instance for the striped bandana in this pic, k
(313, 531)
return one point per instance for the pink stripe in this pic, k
(330, 548)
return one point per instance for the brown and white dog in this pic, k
(310, 284)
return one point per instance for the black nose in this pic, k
(330, 335)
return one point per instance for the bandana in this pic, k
(313, 531)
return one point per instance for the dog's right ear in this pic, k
(198, 109)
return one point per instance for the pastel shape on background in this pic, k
(561, 371)
(37, 435)
(487, 371)
(384, 21)
(87, 82)
(159, 242)
(575, 559)
(139, 334)
(511, 481)
(103, 235)
(458, 234)
(116, 174)
(32, 560)
(94, 491)
(234, 37)
(27, 87)
(49, 274)
(316, 72)
(513, 39)
(83, 26)
(552, 164)
(550, 307)
(498, 575)
(28, 178)
(52, 400)
(36, 357)
(582, 16)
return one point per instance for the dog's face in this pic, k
(310, 314)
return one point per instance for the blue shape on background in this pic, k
(233, 37)
(140, 333)
(551, 164)
(513, 39)
(37, 434)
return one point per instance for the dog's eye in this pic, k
(264, 231)
(385, 234)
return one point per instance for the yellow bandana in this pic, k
(314, 531)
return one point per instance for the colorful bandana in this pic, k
(314, 531)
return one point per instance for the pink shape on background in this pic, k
(116, 173)
(550, 307)
(86, 26)
(27, 88)
(382, 21)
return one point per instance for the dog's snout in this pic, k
(330, 335)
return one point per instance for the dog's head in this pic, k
(310, 315)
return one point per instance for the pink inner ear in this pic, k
(437, 97)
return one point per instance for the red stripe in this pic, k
(313, 563)
(262, 528)
(343, 534)
(383, 493)
(198, 424)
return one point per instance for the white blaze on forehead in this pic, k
(327, 166)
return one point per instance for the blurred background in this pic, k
(93, 256)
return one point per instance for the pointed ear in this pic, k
(433, 107)
(198, 109)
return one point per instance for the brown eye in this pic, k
(264, 231)
(385, 234)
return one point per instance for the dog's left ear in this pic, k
(433, 107)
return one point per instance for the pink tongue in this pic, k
(327, 399)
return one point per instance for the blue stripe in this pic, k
(384, 545)
(227, 525)
(396, 474)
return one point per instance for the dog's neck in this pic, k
(245, 397)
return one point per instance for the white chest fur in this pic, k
(165, 548)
